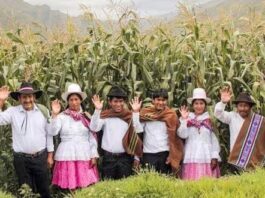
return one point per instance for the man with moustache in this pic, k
(33, 148)
(247, 131)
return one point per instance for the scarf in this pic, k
(132, 144)
(200, 123)
(77, 116)
(168, 116)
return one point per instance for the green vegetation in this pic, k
(147, 185)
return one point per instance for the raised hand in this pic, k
(97, 102)
(4, 93)
(184, 112)
(136, 104)
(226, 94)
(56, 107)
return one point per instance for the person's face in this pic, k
(243, 109)
(160, 103)
(74, 102)
(117, 104)
(27, 101)
(199, 107)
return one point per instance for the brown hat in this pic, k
(26, 88)
(244, 97)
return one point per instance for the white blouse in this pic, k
(201, 144)
(77, 141)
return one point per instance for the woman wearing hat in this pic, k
(75, 158)
(247, 131)
(202, 149)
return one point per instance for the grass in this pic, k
(151, 184)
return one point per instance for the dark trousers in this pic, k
(156, 161)
(116, 166)
(34, 172)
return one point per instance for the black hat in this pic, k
(117, 92)
(160, 93)
(244, 97)
(26, 88)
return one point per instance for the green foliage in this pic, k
(150, 184)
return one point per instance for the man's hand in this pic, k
(50, 160)
(136, 165)
(4, 93)
(136, 104)
(226, 94)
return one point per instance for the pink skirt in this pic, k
(195, 171)
(74, 174)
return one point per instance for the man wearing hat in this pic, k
(32, 147)
(247, 131)
(119, 140)
(162, 148)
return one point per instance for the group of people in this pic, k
(133, 137)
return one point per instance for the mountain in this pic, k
(235, 8)
(215, 8)
(14, 12)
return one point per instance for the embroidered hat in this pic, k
(73, 88)
(25, 88)
(117, 92)
(244, 97)
(199, 93)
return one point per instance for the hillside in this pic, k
(18, 12)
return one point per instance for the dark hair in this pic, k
(199, 99)
(112, 97)
(160, 93)
(80, 97)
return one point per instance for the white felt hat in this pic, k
(73, 88)
(199, 93)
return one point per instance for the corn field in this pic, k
(179, 56)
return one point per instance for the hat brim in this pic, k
(245, 101)
(207, 100)
(15, 94)
(66, 94)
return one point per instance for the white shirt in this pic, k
(114, 130)
(201, 145)
(77, 142)
(29, 136)
(155, 135)
(233, 119)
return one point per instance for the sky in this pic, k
(103, 9)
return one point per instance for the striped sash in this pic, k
(249, 148)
